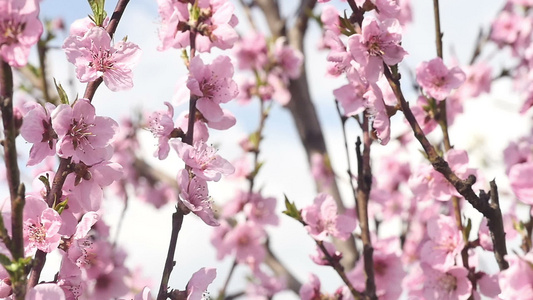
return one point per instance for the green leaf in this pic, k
(45, 180)
(61, 92)
(4, 260)
(256, 169)
(60, 207)
(291, 210)
(468, 228)
(99, 14)
(254, 139)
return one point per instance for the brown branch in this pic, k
(364, 184)
(177, 221)
(117, 15)
(339, 269)
(181, 210)
(16, 189)
(481, 203)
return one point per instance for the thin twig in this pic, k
(481, 203)
(364, 184)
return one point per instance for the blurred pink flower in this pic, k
(203, 160)
(45, 291)
(446, 242)
(323, 220)
(450, 283)
(20, 29)
(437, 80)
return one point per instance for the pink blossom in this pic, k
(427, 183)
(45, 291)
(212, 84)
(424, 119)
(85, 184)
(321, 170)
(37, 129)
(387, 8)
(20, 29)
(195, 196)
(246, 241)
(445, 244)
(516, 282)
(203, 160)
(264, 285)
(478, 80)
(451, 283)
(161, 126)
(80, 26)
(261, 210)
(251, 52)
(217, 239)
(351, 95)
(520, 178)
(94, 57)
(388, 274)
(83, 135)
(488, 285)
(41, 226)
(330, 19)
(339, 59)
(379, 43)
(378, 115)
(323, 220)
(437, 80)
(310, 290)
(507, 27)
(200, 280)
(214, 25)
(111, 285)
(288, 60)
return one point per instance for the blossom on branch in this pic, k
(213, 22)
(378, 43)
(437, 80)
(213, 85)
(323, 219)
(94, 57)
(83, 135)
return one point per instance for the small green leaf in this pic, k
(291, 210)
(255, 139)
(468, 227)
(61, 92)
(4, 260)
(99, 14)
(60, 207)
(256, 169)
(45, 180)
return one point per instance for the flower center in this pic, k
(102, 60)
(80, 132)
(36, 233)
(10, 30)
(448, 283)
